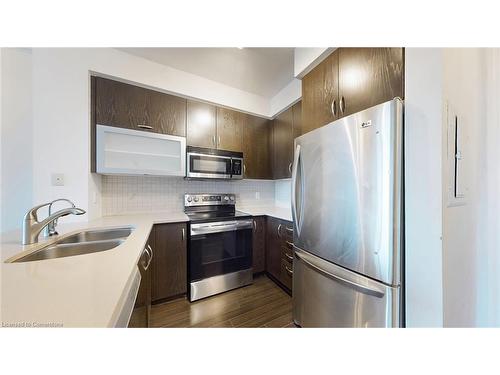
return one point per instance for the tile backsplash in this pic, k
(283, 193)
(124, 194)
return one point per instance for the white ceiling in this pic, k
(261, 71)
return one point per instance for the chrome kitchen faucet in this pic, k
(32, 227)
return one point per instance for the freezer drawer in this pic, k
(327, 295)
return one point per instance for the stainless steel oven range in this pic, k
(219, 245)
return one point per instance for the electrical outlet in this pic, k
(57, 179)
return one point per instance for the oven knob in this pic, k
(231, 198)
(196, 199)
(189, 199)
(226, 198)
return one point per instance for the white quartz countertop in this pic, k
(84, 290)
(78, 291)
(274, 211)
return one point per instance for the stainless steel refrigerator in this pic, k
(347, 207)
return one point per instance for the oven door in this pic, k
(208, 166)
(219, 248)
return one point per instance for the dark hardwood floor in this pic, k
(262, 304)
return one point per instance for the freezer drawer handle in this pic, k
(361, 288)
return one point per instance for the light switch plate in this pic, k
(57, 179)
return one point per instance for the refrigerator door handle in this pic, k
(296, 159)
(311, 262)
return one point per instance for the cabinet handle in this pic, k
(290, 272)
(289, 257)
(254, 225)
(342, 104)
(289, 230)
(213, 140)
(148, 251)
(334, 108)
(290, 167)
(218, 144)
(143, 126)
(289, 244)
(244, 169)
(183, 234)
(279, 230)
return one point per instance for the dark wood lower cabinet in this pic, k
(169, 266)
(259, 244)
(279, 250)
(140, 317)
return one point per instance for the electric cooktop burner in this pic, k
(212, 207)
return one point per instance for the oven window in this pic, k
(206, 164)
(220, 253)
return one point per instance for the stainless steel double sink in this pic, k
(85, 242)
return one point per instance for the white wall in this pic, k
(290, 94)
(463, 94)
(16, 136)
(488, 220)
(307, 58)
(423, 184)
(283, 193)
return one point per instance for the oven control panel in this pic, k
(209, 199)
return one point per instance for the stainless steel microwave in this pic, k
(213, 164)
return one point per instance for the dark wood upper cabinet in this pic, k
(119, 104)
(320, 94)
(369, 76)
(259, 244)
(350, 80)
(297, 120)
(283, 145)
(201, 124)
(230, 129)
(256, 148)
(169, 274)
(166, 113)
(132, 107)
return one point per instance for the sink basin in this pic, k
(85, 242)
(70, 249)
(97, 235)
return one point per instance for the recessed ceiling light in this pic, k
(240, 47)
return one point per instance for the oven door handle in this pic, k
(219, 227)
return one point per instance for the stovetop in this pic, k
(212, 207)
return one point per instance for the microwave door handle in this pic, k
(231, 168)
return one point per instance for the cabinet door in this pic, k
(369, 76)
(170, 261)
(142, 308)
(320, 94)
(256, 150)
(201, 125)
(283, 145)
(297, 120)
(166, 113)
(259, 244)
(273, 248)
(119, 104)
(230, 129)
